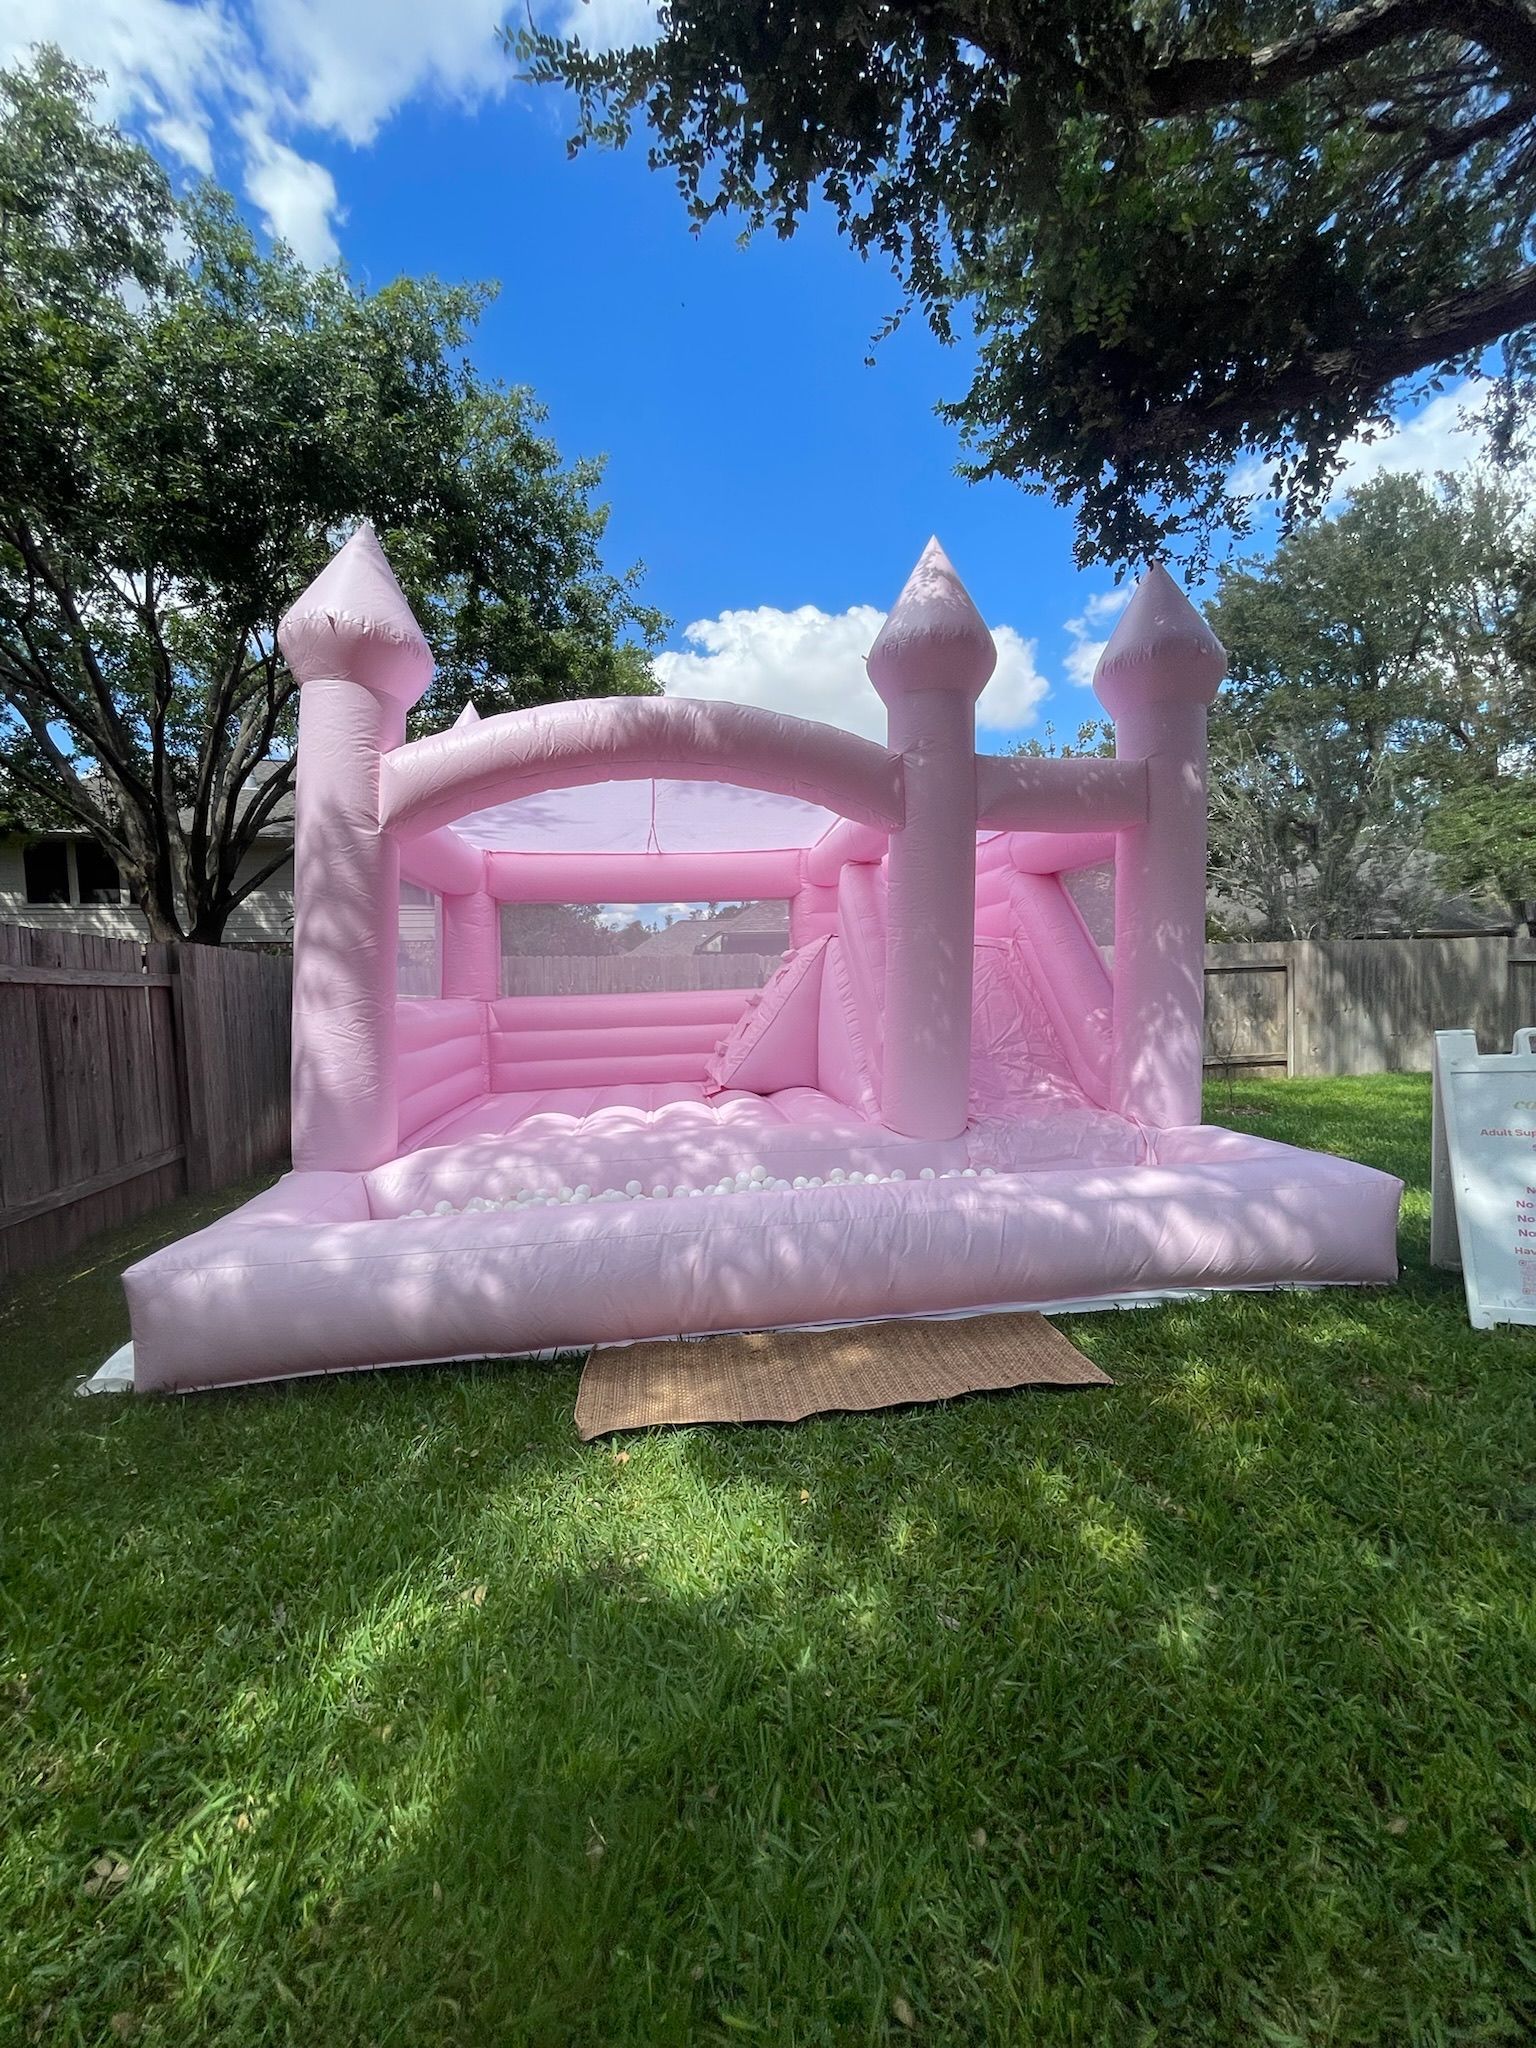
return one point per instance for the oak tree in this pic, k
(189, 425)
(1183, 233)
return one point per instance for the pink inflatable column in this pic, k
(472, 946)
(361, 662)
(471, 929)
(930, 664)
(1157, 678)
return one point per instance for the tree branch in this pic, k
(1504, 29)
(1459, 326)
(72, 796)
(40, 567)
(242, 835)
(263, 874)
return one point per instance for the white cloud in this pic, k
(295, 197)
(811, 663)
(190, 71)
(1438, 438)
(348, 64)
(1099, 607)
(609, 24)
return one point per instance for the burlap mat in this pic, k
(785, 1375)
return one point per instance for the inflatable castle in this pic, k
(972, 1083)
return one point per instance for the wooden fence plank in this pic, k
(1362, 1006)
(234, 1011)
(96, 1126)
(90, 977)
(26, 1166)
(62, 1198)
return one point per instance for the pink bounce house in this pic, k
(951, 1096)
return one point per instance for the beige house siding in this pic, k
(265, 918)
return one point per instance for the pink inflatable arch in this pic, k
(973, 1083)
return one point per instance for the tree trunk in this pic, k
(208, 928)
(164, 928)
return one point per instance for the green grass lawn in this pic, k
(1199, 1710)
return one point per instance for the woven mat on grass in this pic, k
(785, 1375)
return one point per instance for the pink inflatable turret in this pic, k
(1157, 679)
(929, 664)
(361, 663)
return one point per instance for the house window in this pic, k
(46, 865)
(418, 957)
(70, 871)
(96, 873)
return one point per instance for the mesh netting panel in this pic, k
(418, 958)
(550, 949)
(1093, 891)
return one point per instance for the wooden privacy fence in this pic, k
(612, 974)
(1360, 1006)
(128, 1075)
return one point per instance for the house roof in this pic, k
(278, 825)
(690, 934)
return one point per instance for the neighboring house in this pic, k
(66, 881)
(752, 928)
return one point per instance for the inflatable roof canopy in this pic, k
(957, 1092)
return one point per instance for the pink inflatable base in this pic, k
(324, 1272)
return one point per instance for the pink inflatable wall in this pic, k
(900, 880)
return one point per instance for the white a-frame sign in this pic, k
(1483, 1174)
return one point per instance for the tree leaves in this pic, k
(1378, 704)
(1181, 233)
(188, 427)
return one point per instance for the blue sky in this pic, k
(776, 485)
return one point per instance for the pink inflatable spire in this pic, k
(1157, 678)
(934, 637)
(354, 623)
(1161, 651)
(361, 661)
(929, 664)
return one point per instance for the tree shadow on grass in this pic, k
(531, 1744)
(1183, 1712)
